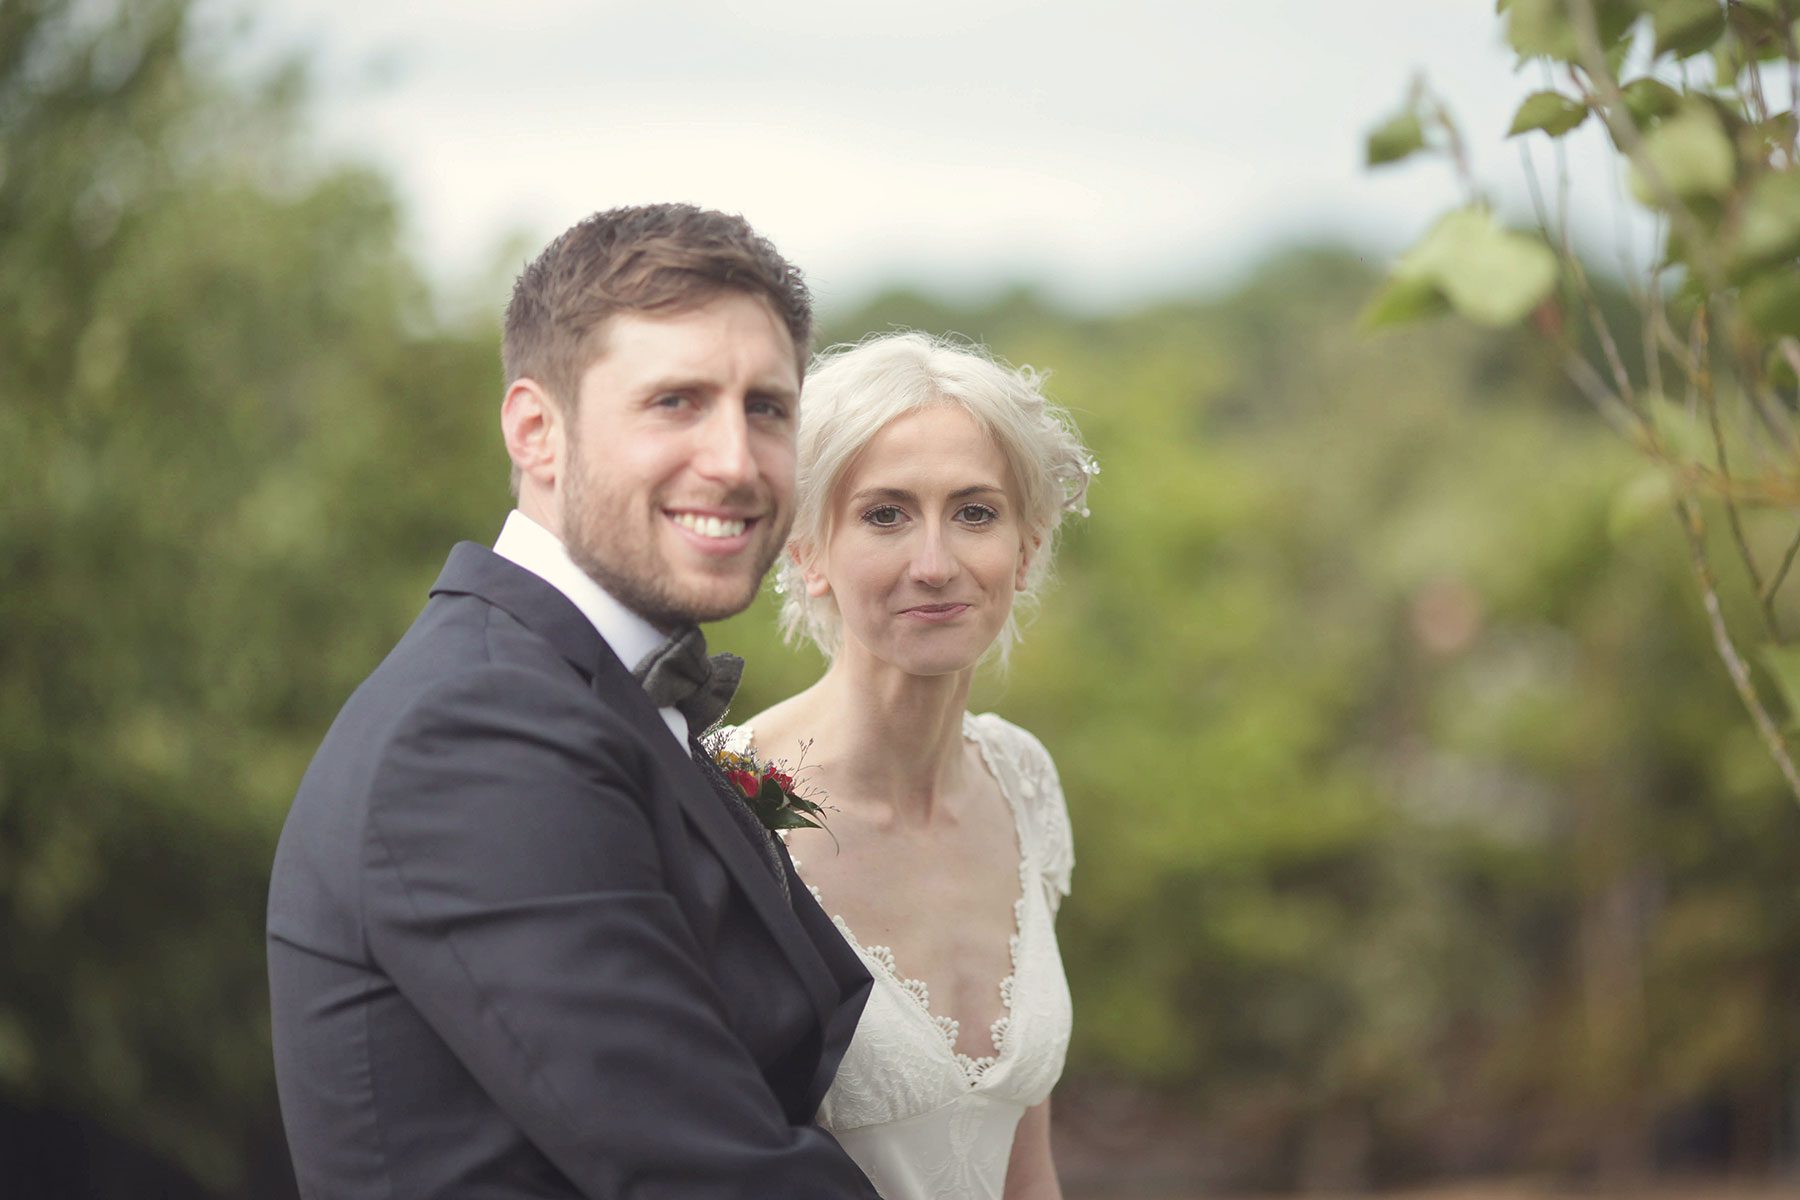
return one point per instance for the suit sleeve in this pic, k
(514, 894)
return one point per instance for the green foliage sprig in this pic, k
(1698, 101)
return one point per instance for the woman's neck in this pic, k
(888, 739)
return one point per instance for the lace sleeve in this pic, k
(1047, 813)
(1055, 837)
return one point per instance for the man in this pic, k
(521, 943)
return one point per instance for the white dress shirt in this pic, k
(525, 542)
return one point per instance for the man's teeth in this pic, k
(712, 527)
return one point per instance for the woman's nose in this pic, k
(933, 565)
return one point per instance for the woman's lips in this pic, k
(935, 612)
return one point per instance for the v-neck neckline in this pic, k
(974, 1068)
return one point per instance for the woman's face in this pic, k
(927, 544)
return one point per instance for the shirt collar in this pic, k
(525, 542)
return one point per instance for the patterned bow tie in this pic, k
(679, 673)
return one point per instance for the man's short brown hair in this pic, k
(667, 258)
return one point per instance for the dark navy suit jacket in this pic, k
(518, 946)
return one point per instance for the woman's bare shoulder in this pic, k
(777, 732)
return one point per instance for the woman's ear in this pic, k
(817, 585)
(1027, 552)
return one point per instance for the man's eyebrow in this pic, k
(675, 383)
(701, 385)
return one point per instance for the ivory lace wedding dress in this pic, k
(924, 1121)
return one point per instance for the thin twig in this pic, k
(1787, 560)
(1609, 347)
(1536, 191)
(1628, 267)
(1688, 513)
(1654, 312)
(1459, 150)
(1710, 402)
(1792, 48)
(1624, 419)
(1756, 90)
(1605, 95)
(1562, 197)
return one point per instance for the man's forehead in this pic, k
(664, 338)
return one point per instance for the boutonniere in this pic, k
(770, 789)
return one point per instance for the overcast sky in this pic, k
(1109, 152)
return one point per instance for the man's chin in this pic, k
(715, 602)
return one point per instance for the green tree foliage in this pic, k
(222, 432)
(1410, 811)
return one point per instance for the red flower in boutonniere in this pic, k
(769, 790)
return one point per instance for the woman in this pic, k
(931, 483)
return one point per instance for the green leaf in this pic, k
(1783, 664)
(1686, 27)
(1763, 139)
(1772, 303)
(1542, 28)
(1552, 112)
(1779, 369)
(777, 810)
(1398, 138)
(1681, 435)
(1769, 229)
(1490, 275)
(1403, 301)
(1649, 100)
(1639, 500)
(1690, 154)
(1762, 32)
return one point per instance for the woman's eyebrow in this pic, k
(902, 496)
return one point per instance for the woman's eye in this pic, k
(886, 516)
(976, 514)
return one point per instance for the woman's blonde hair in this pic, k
(855, 391)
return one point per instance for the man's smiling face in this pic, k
(678, 485)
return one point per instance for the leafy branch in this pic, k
(1684, 93)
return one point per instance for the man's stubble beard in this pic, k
(635, 575)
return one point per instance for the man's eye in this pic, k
(768, 408)
(886, 516)
(669, 400)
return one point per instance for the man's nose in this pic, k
(723, 454)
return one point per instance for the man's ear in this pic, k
(532, 426)
(1027, 552)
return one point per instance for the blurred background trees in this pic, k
(1419, 831)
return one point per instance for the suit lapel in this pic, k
(706, 810)
(476, 570)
